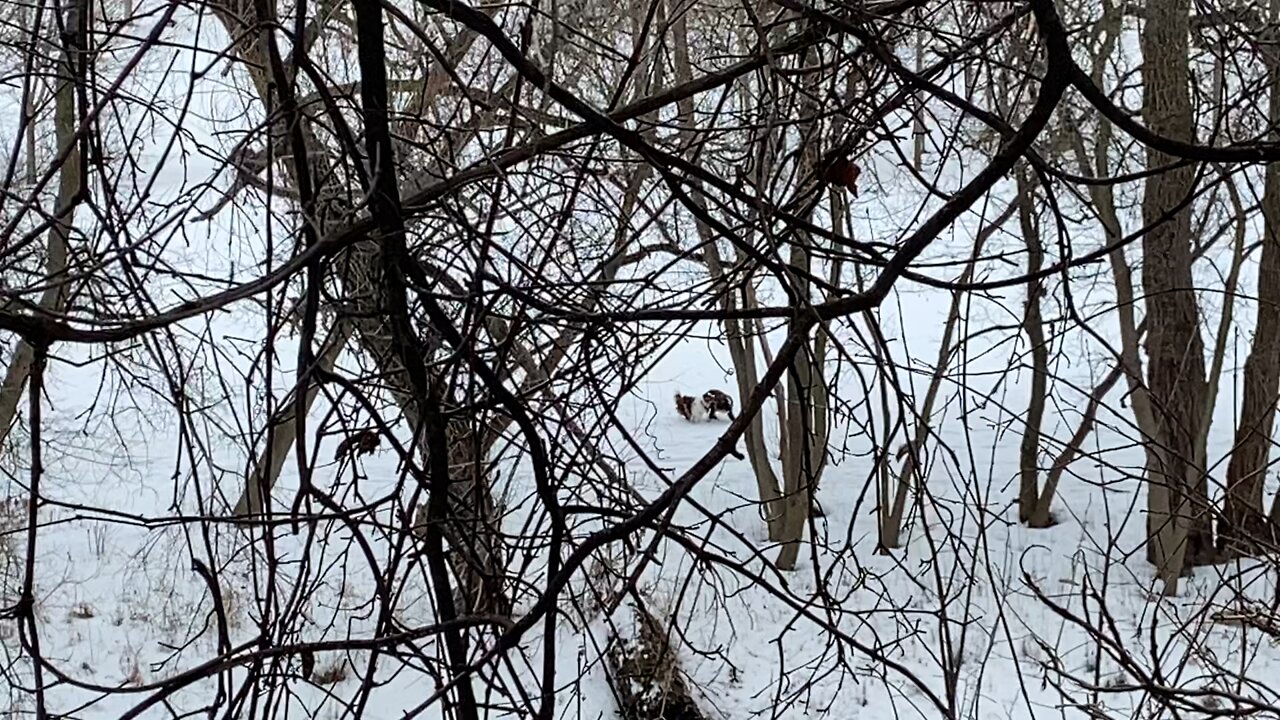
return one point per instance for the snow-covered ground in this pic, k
(963, 615)
(974, 613)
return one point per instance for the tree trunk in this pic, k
(1102, 197)
(1040, 515)
(797, 470)
(820, 451)
(1032, 323)
(644, 669)
(479, 563)
(71, 180)
(737, 333)
(1242, 522)
(747, 374)
(891, 514)
(779, 394)
(266, 471)
(1179, 529)
(475, 533)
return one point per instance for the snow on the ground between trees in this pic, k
(952, 618)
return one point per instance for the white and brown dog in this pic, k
(702, 409)
(696, 409)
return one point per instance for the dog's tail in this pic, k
(683, 406)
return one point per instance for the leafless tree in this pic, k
(446, 244)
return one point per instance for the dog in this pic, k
(691, 408)
(699, 409)
(717, 401)
(702, 409)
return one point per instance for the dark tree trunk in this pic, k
(1033, 325)
(646, 675)
(1175, 374)
(1243, 523)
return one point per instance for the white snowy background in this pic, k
(119, 605)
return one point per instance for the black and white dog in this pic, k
(702, 409)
